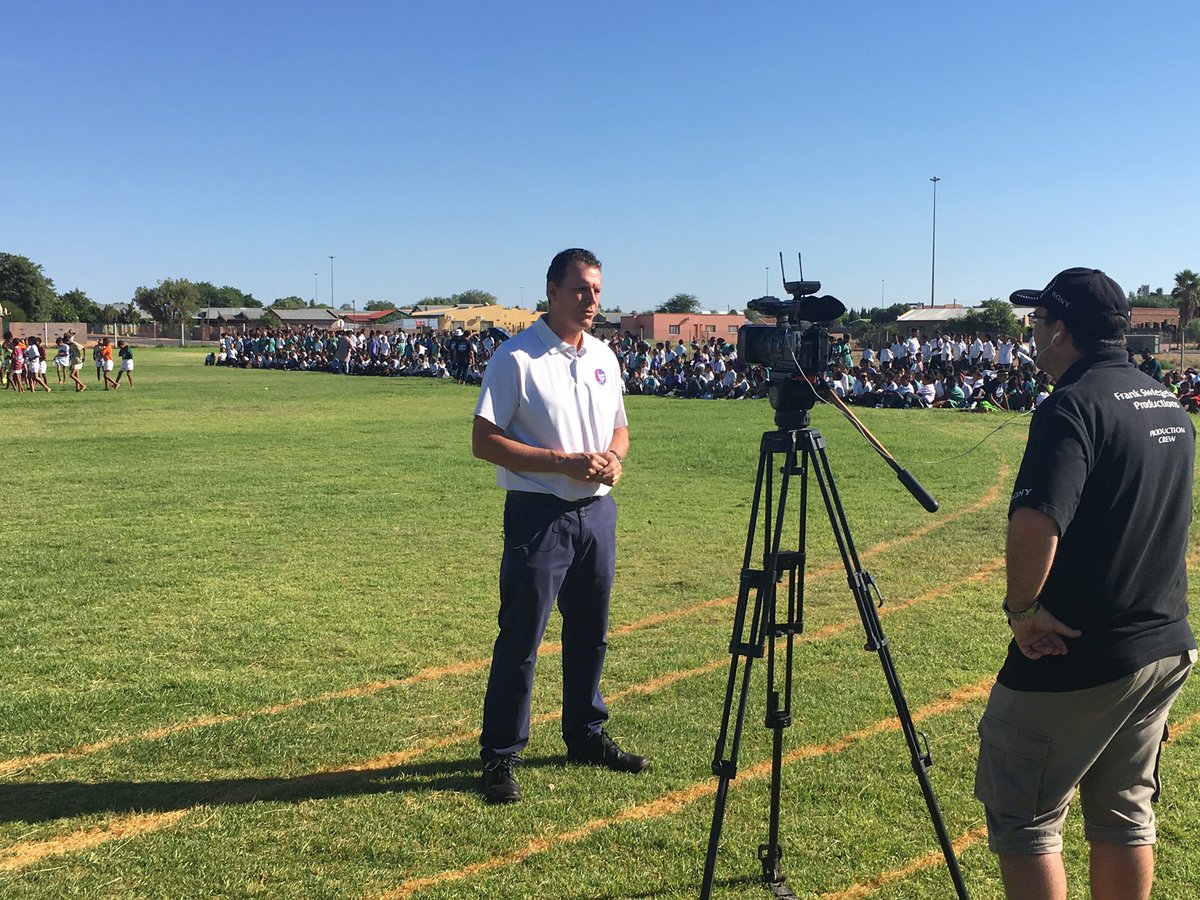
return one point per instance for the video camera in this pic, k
(799, 340)
(795, 350)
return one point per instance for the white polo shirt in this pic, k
(543, 392)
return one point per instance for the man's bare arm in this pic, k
(620, 442)
(489, 442)
(1032, 543)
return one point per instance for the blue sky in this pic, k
(434, 148)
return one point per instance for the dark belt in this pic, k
(553, 499)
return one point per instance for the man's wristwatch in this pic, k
(1023, 615)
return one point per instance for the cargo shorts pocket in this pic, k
(1008, 777)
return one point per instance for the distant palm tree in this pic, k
(1187, 293)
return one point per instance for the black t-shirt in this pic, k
(1109, 459)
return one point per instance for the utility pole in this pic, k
(933, 253)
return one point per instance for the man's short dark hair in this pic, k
(558, 265)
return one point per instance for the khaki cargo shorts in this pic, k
(1036, 747)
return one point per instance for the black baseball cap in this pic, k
(1083, 298)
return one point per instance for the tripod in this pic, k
(802, 449)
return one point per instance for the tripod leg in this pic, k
(765, 630)
(742, 653)
(862, 585)
(789, 564)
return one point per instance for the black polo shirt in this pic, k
(1109, 459)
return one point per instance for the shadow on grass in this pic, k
(42, 801)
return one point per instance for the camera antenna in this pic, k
(799, 261)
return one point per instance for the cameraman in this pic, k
(1096, 604)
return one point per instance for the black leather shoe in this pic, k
(498, 783)
(601, 750)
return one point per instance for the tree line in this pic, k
(28, 294)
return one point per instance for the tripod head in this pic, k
(792, 397)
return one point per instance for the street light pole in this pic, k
(933, 252)
(766, 280)
(331, 301)
(316, 290)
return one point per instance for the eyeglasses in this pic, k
(1034, 317)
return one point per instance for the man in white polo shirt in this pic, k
(551, 417)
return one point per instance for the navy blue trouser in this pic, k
(553, 549)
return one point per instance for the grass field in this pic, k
(246, 621)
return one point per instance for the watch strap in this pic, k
(1023, 615)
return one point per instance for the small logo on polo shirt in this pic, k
(601, 378)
